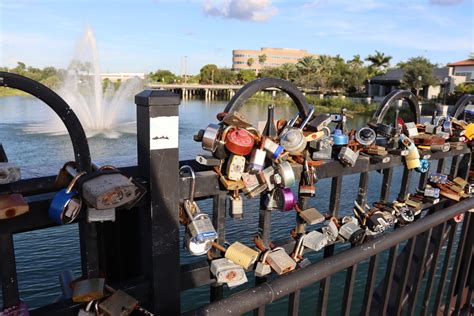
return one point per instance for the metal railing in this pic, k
(428, 267)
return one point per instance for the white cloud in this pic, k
(246, 10)
(445, 2)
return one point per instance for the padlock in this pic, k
(407, 142)
(441, 147)
(285, 199)
(376, 222)
(270, 203)
(448, 126)
(88, 290)
(306, 187)
(404, 214)
(389, 218)
(257, 160)
(348, 157)
(424, 166)
(9, 173)
(331, 231)
(293, 139)
(377, 150)
(268, 174)
(239, 141)
(320, 122)
(231, 185)
(66, 203)
(461, 182)
(19, 309)
(365, 136)
(272, 149)
(352, 232)
(236, 206)
(209, 137)
(119, 303)
(87, 311)
(208, 160)
(241, 254)
(431, 192)
(94, 215)
(311, 216)
(438, 178)
(12, 205)
(315, 240)
(339, 138)
(235, 167)
(256, 191)
(280, 261)
(228, 272)
(263, 268)
(236, 119)
(312, 137)
(250, 180)
(412, 163)
(417, 205)
(387, 131)
(200, 233)
(433, 129)
(469, 133)
(287, 174)
(410, 129)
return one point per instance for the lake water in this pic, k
(42, 254)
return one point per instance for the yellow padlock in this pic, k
(469, 131)
(241, 254)
(413, 163)
(413, 154)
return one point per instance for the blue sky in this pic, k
(145, 35)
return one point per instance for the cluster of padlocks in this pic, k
(259, 162)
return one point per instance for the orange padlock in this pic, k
(239, 141)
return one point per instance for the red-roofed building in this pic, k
(464, 68)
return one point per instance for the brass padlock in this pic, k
(12, 205)
(236, 119)
(241, 254)
(119, 303)
(88, 290)
(235, 167)
(231, 185)
(311, 216)
(280, 261)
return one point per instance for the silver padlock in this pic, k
(9, 173)
(257, 160)
(376, 222)
(119, 303)
(323, 149)
(315, 240)
(262, 268)
(268, 173)
(235, 167)
(200, 233)
(433, 129)
(293, 139)
(280, 261)
(228, 272)
(404, 214)
(209, 137)
(410, 129)
(287, 174)
(352, 232)
(311, 216)
(208, 160)
(236, 206)
(365, 136)
(272, 149)
(270, 202)
(348, 157)
(94, 215)
(432, 192)
(331, 231)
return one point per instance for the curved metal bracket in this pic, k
(264, 83)
(460, 106)
(61, 108)
(389, 100)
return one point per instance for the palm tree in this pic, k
(250, 62)
(325, 69)
(307, 66)
(379, 60)
(356, 62)
(471, 55)
(262, 59)
(288, 70)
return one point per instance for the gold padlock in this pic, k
(12, 205)
(88, 290)
(413, 163)
(469, 134)
(64, 177)
(239, 254)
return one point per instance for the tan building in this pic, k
(274, 57)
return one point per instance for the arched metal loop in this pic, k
(460, 106)
(389, 101)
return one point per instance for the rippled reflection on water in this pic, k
(42, 254)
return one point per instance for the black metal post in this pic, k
(158, 160)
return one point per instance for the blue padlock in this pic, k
(424, 166)
(66, 204)
(339, 138)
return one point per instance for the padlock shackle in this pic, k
(193, 180)
(258, 85)
(390, 101)
(460, 106)
(61, 108)
(74, 180)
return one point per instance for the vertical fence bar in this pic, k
(8, 276)
(441, 163)
(444, 273)
(89, 249)
(403, 282)
(455, 165)
(455, 271)
(294, 303)
(369, 285)
(405, 184)
(386, 183)
(434, 267)
(419, 275)
(465, 265)
(218, 221)
(334, 201)
(392, 258)
(157, 136)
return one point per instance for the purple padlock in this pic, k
(19, 309)
(285, 199)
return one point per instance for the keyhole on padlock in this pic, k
(10, 212)
(231, 275)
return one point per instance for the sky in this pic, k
(146, 35)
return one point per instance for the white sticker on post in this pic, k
(164, 132)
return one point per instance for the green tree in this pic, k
(225, 76)
(356, 62)
(262, 59)
(465, 88)
(246, 75)
(164, 76)
(418, 73)
(379, 61)
(325, 71)
(250, 62)
(289, 71)
(307, 67)
(208, 73)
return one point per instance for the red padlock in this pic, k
(458, 218)
(239, 141)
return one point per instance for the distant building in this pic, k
(464, 68)
(275, 57)
(380, 86)
(122, 76)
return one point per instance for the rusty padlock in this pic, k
(12, 205)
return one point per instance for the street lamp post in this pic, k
(445, 89)
(417, 86)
